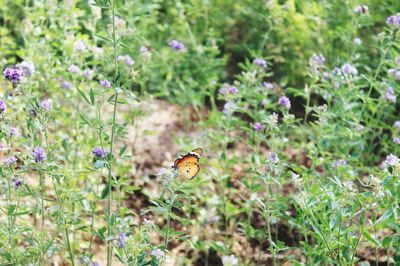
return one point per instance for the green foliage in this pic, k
(294, 103)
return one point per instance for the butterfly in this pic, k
(188, 165)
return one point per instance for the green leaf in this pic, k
(83, 96)
(385, 216)
(11, 209)
(131, 188)
(101, 232)
(85, 121)
(122, 151)
(91, 94)
(368, 236)
(103, 38)
(21, 213)
(386, 241)
(105, 191)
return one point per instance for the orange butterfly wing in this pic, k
(189, 170)
(188, 165)
(198, 151)
(188, 158)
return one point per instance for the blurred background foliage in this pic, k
(218, 35)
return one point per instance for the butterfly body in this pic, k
(188, 165)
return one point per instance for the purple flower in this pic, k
(66, 85)
(27, 67)
(389, 95)
(273, 158)
(394, 73)
(79, 46)
(396, 140)
(227, 89)
(13, 131)
(162, 172)
(3, 107)
(176, 45)
(17, 183)
(10, 160)
(268, 85)
(348, 69)
(143, 49)
(391, 160)
(46, 105)
(74, 69)
(260, 62)
(88, 73)
(338, 163)
(393, 20)
(361, 9)
(326, 75)
(397, 124)
(126, 59)
(317, 60)
(397, 75)
(105, 83)
(232, 90)
(39, 154)
(120, 240)
(14, 75)
(284, 102)
(357, 41)
(258, 126)
(99, 152)
(98, 50)
(95, 263)
(229, 108)
(158, 253)
(165, 176)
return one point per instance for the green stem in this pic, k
(9, 205)
(169, 219)
(42, 179)
(93, 214)
(360, 235)
(71, 255)
(109, 220)
(272, 248)
(378, 70)
(307, 106)
(109, 247)
(332, 254)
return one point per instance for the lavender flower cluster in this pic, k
(14, 75)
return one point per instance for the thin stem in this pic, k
(169, 219)
(76, 135)
(109, 220)
(376, 246)
(378, 70)
(320, 233)
(71, 255)
(360, 235)
(272, 248)
(339, 234)
(9, 205)
(42, 179)
(93, 213)
(307, 106)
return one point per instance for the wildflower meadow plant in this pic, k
(295, 106)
